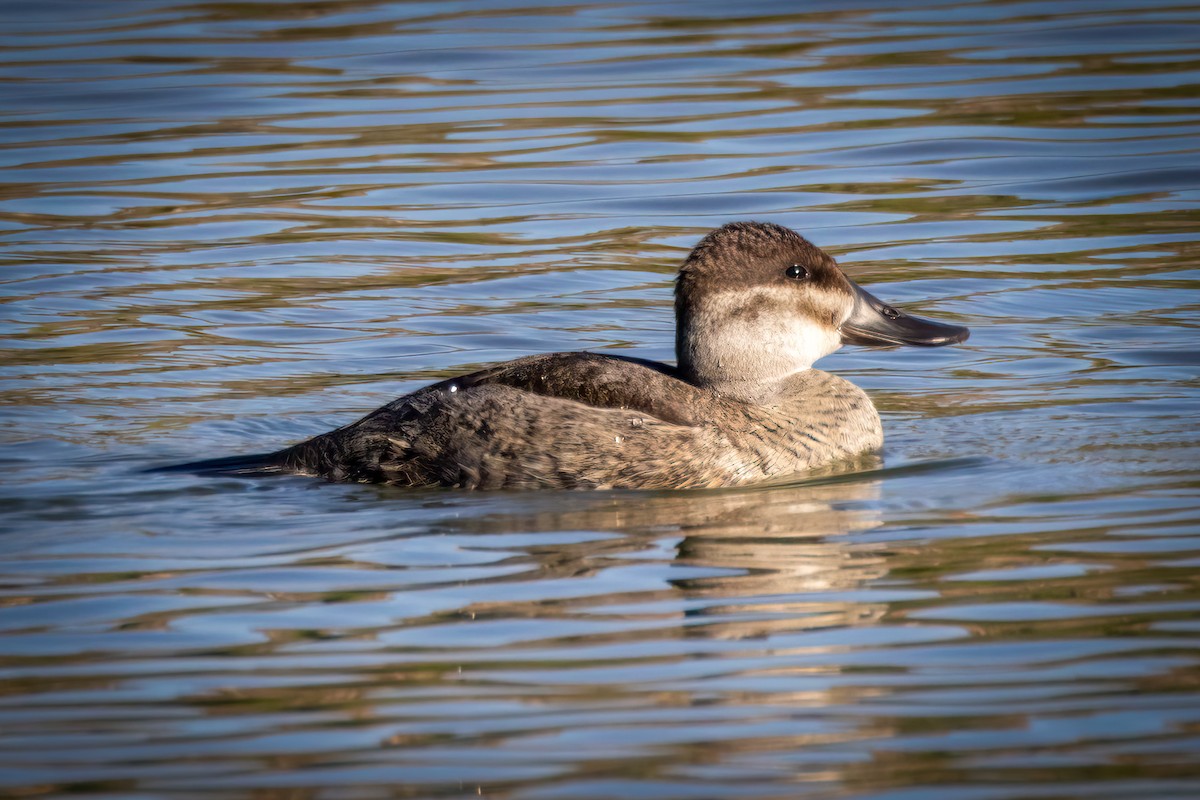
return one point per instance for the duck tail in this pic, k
(259, 464)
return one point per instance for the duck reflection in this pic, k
(779, 555)
(787, 553)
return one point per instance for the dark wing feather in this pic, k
(435, 435)
(602, 381)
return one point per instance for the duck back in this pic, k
(581, 420)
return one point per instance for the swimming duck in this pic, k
(756, 304)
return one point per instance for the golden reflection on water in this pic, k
(227, 226)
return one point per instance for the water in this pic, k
(227, 226)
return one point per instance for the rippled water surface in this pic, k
(227, 226)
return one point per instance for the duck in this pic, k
(756, 305)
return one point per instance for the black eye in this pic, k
(796, 272)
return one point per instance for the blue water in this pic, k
(227, 226)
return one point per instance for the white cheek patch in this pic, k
(811, 340)
(752, 335)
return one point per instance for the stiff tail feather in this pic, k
(258, 464)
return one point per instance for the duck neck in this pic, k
(742, 345)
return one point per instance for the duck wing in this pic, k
(536, 421)
(599, 381)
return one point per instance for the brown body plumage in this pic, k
(580, 420)
(756, 304)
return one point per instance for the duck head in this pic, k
(756, 302)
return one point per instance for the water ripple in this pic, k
(228, 226)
